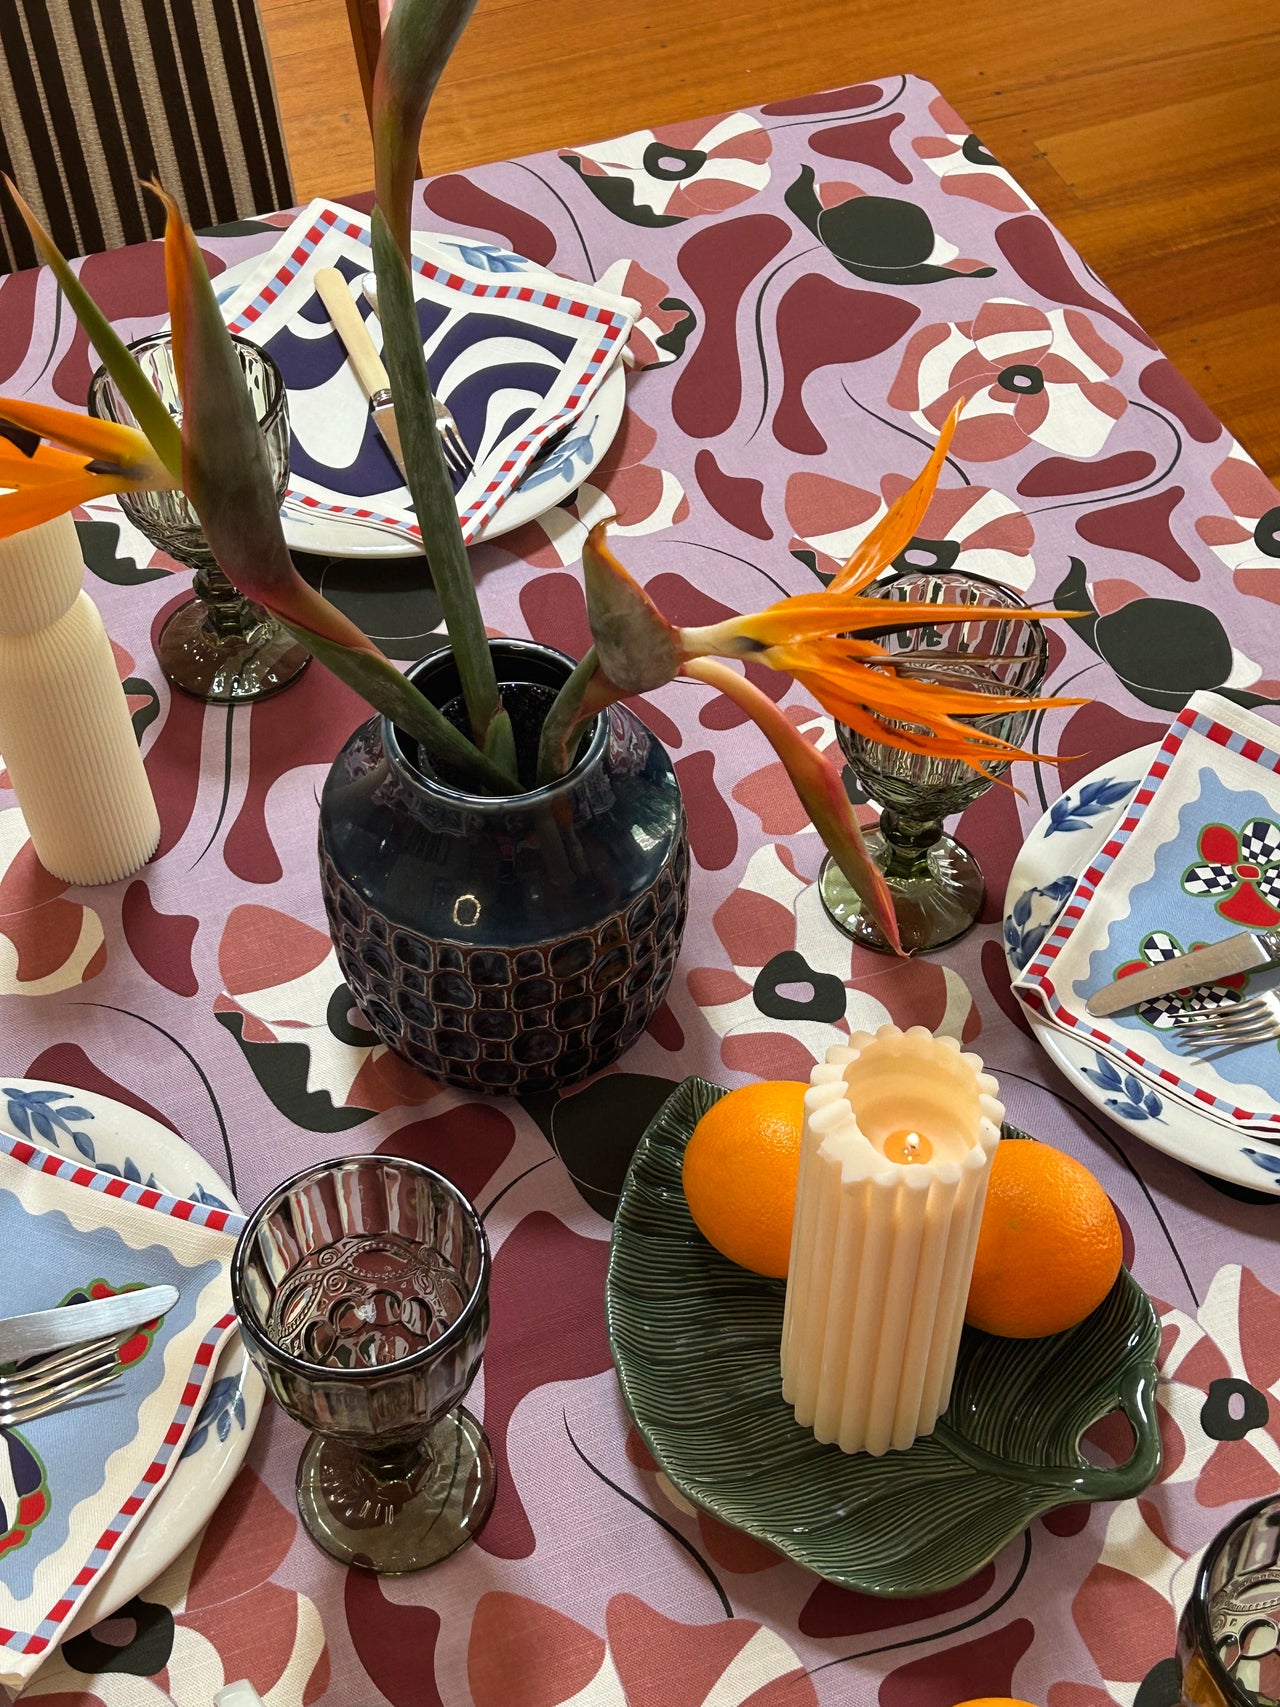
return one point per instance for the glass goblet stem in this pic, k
(230, 611)
(907, 843)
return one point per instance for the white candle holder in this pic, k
(899, 1132)
(65, 733)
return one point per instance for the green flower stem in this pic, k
(500, 742)
(416, 44)
(136, 389)
(428, 481)
(395, 696)
(563, 725)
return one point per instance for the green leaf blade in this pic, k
(427, 476)
(136, 389)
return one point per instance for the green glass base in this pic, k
(228, 662)
(401, 1508)
(937, 903)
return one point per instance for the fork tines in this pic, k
(48, 1383)
(1254, 1021)
(456, 453)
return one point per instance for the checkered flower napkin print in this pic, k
(1240, 871)
(74, 1484)
(1195, 858)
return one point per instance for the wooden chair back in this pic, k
(98, 94)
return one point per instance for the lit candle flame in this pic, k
(907, 1145)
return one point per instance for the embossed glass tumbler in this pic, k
(1229, 1634)
(936, 884)
(218, 646)
(362, 1286)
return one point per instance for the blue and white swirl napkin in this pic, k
(516, 353)
(1195, 858)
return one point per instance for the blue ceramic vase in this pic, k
(508, 944)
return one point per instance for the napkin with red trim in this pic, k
(74, 1484)
(1195, 858)
(517, 353)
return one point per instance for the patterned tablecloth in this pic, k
(820, 278)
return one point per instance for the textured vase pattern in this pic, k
(494, 1019)
(515, 944)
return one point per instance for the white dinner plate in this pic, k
(1058, 848)
(556, 478)
(551, 480)
(118, 1140)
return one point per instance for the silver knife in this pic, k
(74, 1324)
(1208, 965)
(366, 363)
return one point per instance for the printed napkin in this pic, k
(75, 1483)
(1196, 858)
(516, 352)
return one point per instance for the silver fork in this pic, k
(455, 446)
(332, 290)
(1254, 1021)
(51, 1382)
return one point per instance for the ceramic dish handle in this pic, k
(1123, 1481)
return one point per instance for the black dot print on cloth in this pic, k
(1223, 1419)
(825, 1003)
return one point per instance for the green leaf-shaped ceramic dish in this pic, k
(695, 1340)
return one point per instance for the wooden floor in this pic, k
(1148, 130)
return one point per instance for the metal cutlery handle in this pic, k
(349, 324)
(1247, 951)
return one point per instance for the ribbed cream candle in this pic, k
(882, 1249)
(65, 733)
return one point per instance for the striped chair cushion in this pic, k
(96, 94)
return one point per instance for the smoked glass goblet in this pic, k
(362, 1287)
(936, 884)
(218, 646)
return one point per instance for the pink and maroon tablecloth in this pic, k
(820, 279)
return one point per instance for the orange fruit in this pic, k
(740, 1171)
(1049, 1247)
(994, 1701)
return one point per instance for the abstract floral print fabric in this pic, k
(792, 359)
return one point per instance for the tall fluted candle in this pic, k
(65, 733)
(899, 1132)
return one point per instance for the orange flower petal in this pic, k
(899, 525)
(819, 786)
(103, 441)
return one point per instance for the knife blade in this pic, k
(1244, 952)
(366, 363)
(74, 1324)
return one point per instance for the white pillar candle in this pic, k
(65, 733)
(899, 1132)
